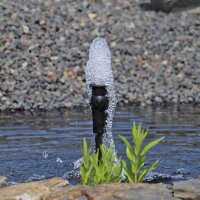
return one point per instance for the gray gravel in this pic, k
(44, 49)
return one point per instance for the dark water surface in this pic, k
(36, 145)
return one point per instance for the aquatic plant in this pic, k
(134, 171)
(105, 170)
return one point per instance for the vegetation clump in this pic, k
(108, 170)
(95, 171)
(137, 155)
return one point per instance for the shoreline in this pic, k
(57, 188)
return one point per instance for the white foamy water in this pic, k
(99, 72)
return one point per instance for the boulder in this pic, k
(163, 5)
(33, 190)
(189, 189)
(169, 5)
(121, 191)
(60, 189)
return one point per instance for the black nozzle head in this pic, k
(99, 104)
(98, 90)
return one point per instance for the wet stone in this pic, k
(2, 181)
(154, 177)
(187, 189)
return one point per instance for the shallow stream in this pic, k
(37, 145)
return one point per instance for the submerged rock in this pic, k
(157, 177)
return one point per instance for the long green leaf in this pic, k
(149, 169)
(151, 145)
(128, 172)
(125, 141)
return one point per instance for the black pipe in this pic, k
(99, 104)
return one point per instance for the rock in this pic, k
(163, 5)
(122, 191)
(25, 29)
(157, 177)
(2, 181)
(59, 189)
(187, 189)
(34, 190)
(168, 5)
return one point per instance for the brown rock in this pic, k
(187, 189)
(34, 190)
(14, 16)
(2, 181)
(122, 191)
(69, 74)
(52, 75)
(59, 189)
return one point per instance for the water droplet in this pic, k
(59, 160)
(45, 154)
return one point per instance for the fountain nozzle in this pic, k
(99, 104)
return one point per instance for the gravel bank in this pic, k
(44, 49)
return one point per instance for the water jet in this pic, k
(101, 91)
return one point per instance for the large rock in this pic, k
(122, 191)
(163, 5)
(34, 190)
(59, 189)
(168, 5)
(187, 189)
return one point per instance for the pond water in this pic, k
(37, 145)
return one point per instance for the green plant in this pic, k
(95, 171)
(135, 172)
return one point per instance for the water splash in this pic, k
(76, 164)
(45, 154)
(59, 160)
(35, 177)
(99, 72)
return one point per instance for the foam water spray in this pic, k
(101, 91)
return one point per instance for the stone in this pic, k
(122, 191)
(25, 29)
(59, 189)
(33, 190)
(189, 189)
(169, 5)
(2, 181)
